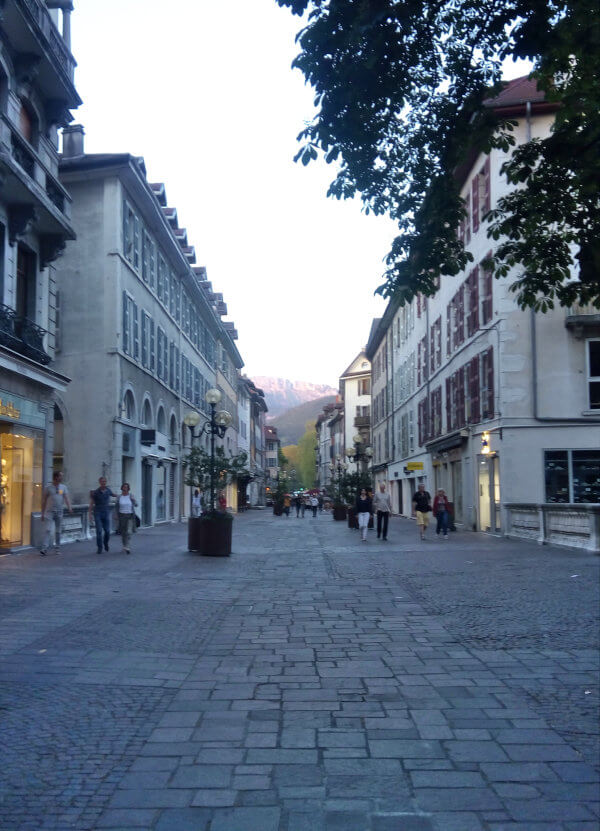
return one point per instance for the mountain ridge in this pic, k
(281, 394)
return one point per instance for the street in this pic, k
(308, 682)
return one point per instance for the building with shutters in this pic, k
(499, 406)
(141, 336)
(36, 93)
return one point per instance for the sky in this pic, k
(204, 91)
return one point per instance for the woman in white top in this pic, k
(126, 515)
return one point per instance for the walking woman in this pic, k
(364, 509)
(126, 515)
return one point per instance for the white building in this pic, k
(140, 335)
(355, 391)
(499, 406)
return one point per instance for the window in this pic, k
(487, 383)
(436, 412)
(364, 386)
(404, 436)
(131, 340)
(473, 302)
(411, 431)
(572, 475)
(480, 195)
(147, 414)
(593, 367)
(486, 283)
(129, 406)
(149, 261)
(161, 276)
(173, 369)
(25, 299)
(146, 321)
(160, 362)
(272, 461)
(131, 236)
(161, 421)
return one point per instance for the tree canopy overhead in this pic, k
(400, 91)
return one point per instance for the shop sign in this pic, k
(21, 410)
(414, 465)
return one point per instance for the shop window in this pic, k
(572, 475)
(594, 374)
(21, 457)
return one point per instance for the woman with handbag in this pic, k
(126, 503)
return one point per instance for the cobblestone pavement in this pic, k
(307, 683)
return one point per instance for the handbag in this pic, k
(138, 521)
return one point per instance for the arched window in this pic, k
(147, 414)
(161, 421)
(129, 406)
(173, 430)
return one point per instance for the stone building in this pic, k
(36, 93)
(499, 406)
(140, 335)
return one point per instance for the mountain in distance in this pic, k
(291, 424)
(281, 394)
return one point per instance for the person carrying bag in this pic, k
(126, 516)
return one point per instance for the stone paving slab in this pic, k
(307, 682)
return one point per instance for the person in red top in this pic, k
(441, 510)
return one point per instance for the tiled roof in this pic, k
(517, 91)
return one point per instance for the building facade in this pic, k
(36, 93)
(140, 334)
(355, 391)
(497, 405)
(272, 445)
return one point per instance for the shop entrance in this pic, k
(20, 484)
(489, 494)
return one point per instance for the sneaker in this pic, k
(43, 552)
(99, 551)
(106, 548)
(128, 551)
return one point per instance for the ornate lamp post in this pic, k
(357, 455)
(216, 425)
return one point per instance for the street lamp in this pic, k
(341, 467)
(216, 425)
(357, 455)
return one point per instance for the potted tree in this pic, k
(211, 533)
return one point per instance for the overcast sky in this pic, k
(203, 90)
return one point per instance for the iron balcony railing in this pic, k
(22, 335)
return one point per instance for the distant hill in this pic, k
(291, 424)
(281, 394)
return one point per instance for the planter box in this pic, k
(210, 536)
(339, 514)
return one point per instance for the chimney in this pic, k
(72, 141)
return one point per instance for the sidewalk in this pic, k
(307, 683)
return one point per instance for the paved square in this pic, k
(307, 683)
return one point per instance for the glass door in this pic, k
(485, 509)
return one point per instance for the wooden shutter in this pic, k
(136, 332)
(475, 415)
(449, 404)
(488, 368)
(475, 202)
(432, 349)
(125, 340)
(486, 186)
(473, 299)
(460, 398)
(420, 419)
(459, 305)
(152, 346)
(448, 329)
(468, 219)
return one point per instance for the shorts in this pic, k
(423, 518)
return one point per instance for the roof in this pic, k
(518, 91)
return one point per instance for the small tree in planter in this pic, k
(210, 534)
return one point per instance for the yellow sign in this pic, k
(414, 465)
(9, 410)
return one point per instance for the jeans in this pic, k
(53, 523)
(363, 523)
(382, 523)
(102, 522)
(442, 522)
(314, 510)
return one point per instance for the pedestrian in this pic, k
(100, 504)
(383, 506)
(314, 504)
(320, 498)
(297, 504)
(54, 500)
(197, 503)
(421, 508)
(126, 515)
(364, 509)
(304, 504)
(287, 504)
(441, 511)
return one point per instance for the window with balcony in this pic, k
(26, 283)
(593, 368)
